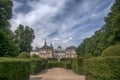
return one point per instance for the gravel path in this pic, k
(57, 74)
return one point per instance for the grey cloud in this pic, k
(64, 22)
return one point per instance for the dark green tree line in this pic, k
(7, 44)
(24, 36)
(108, 35)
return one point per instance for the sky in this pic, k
(60, 22)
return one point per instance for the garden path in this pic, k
(57, 74)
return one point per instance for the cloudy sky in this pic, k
(62, 22)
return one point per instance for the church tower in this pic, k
(45, 43)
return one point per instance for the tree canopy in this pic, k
(24, 36)
(7, 44)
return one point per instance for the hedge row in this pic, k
(14, 69)
(107, 68)
(62, 64)
(37, 65)
(77, 65)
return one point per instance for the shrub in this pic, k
(89, 55)
(24, 55)
(111, 51)
(52, 63)
(107, 68)
(37, 65)
(35, 56)
(14, 69)
(63, 64)
(77, 65)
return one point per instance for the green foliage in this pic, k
(14, 69)
(63, 64)
(111, 51)
(37, 65)
(103, 68)
(77, 65)
(35, 56)
(7, 44)
(108, 35)
(7, 47)
(24, 37)
(89, 56)
(24, 55)
(5, 10)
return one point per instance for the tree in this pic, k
(7, 44)
(24, 37)
(5, 13)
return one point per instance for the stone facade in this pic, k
(46, 51)
(71, 52)
(59, 53)
(49, 52)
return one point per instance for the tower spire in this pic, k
(45, 42)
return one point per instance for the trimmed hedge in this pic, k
(35, 56)
(111, 51)
(77, 65)
(62, 64)
(107, 68)
(14, 69)
(37, 65)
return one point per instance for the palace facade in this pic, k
(47, 51)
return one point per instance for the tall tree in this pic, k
(24, 37)
(7, 44)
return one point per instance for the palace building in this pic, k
(47, 51)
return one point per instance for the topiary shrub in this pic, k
(24, 55)
(111, 51)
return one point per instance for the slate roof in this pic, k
(46, 46)
(71, 47)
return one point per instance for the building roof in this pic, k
(46, 46)
(71, 47)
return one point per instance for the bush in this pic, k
(89, 55)
(14, 69)
(63, 64)
(37, 65)
(107, 68)
(77, 65)
(24, 55)
(111, 51)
